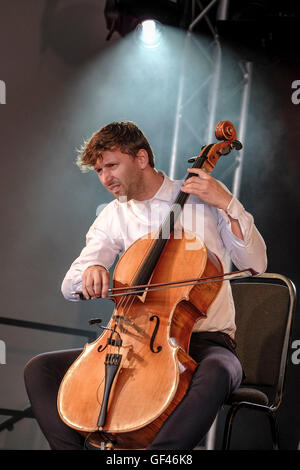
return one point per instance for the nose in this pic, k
(106, 177)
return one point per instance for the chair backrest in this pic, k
(264, 307)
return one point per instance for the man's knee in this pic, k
(224, 369)
(35, 366)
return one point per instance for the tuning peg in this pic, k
(193, 159)
(237, 145)
(95, 321)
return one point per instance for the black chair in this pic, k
(265, 308)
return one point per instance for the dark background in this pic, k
(63, 82)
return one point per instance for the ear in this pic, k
(142, 158)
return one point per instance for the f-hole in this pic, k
(159, 348)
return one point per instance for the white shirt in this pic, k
(121, 223)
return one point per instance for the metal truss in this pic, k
(201, 99)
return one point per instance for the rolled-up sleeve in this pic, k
(249, 252)
(102, 247)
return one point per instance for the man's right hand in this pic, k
(95, 282)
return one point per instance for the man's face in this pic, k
(119, 173)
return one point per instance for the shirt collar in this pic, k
(166, 191)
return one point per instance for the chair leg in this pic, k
(274, 430)
(228, 427)
(229, 422)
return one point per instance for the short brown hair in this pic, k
(125, 135)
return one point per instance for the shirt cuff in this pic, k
(234, 208)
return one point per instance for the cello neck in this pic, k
(167, 227)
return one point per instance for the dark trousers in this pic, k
(218, 373)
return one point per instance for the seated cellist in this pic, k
(124, 162)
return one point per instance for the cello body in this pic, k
(155, 369)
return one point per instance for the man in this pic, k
(124, 162)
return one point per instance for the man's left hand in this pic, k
(207, 188)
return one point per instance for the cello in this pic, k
(125, 384)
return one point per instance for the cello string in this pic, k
(131, 298)
(127, 301)
(143, 272)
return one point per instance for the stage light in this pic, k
(125, 16)
(149, 33)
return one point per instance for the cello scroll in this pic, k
(210, 154)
